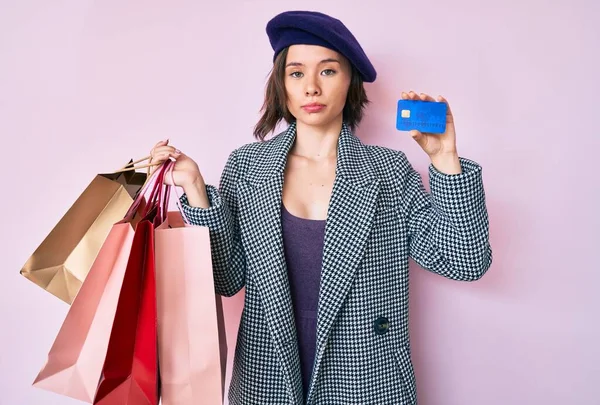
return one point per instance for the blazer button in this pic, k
(381, 325)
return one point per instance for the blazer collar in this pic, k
(352, 164)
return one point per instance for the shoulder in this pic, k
(254, 151)
(388, 163)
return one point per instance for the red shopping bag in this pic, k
(130, 371)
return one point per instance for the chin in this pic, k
(315, 120)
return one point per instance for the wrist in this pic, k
(447, 163)
(196, 193)
(196, 186)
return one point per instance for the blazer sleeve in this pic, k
(448, 227)
(221, 217)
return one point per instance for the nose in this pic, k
(312, 91)
(312, 88)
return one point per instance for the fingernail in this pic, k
(177, 151)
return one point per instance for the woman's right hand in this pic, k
(185, 172)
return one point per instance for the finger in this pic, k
(418, 137)
(162, 156)
(161, 143)
(157, 145)
(441, 99)
(161, 149)
(404, 95)
(449, 116)
(415, 133)
(159, 158)
(412, 95)
(426, 97)
(175, 154)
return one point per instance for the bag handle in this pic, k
(159, 195)
(151, 182)
(132, 165)
(154, 201)
(177, 200)
(164, 193)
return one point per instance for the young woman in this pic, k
(319, 227)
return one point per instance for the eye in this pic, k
(296, 75)
(328, 72)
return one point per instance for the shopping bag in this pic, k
(130, 371)
(192, 348)
(77, 355)
(76, 358)
(62, 261)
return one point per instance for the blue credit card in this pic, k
(424, 116)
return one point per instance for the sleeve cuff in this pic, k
(203, 216)
(468, 168)
(459, 193)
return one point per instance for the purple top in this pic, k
(303, 246)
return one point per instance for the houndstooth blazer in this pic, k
(379, 215)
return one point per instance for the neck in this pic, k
(317, 142)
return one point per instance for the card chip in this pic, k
(405, 113)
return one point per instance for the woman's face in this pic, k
(316, 82)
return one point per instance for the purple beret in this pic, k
(313, 28)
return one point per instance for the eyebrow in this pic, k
(320, 63)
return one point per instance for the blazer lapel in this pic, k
(260, 196)
(351, 212)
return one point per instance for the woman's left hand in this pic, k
(434, 144)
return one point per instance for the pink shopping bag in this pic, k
(192, 348)
(78, 353)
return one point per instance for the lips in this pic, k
(313, 107)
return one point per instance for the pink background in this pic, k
(87, 85)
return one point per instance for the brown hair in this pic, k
(275, 104)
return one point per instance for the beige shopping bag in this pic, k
(62, 261)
